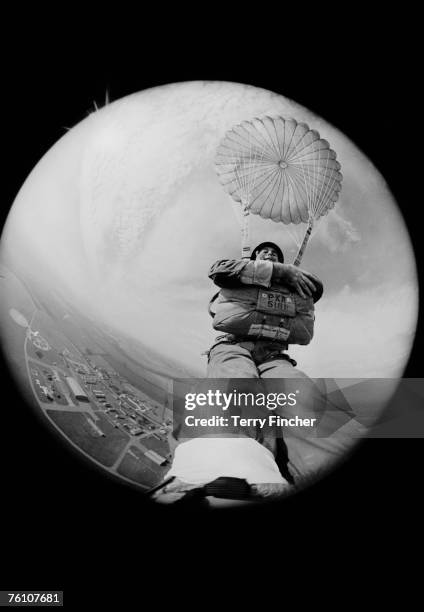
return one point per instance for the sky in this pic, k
(127, 211)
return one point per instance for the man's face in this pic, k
(267, 253)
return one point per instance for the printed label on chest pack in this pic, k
(276, 303)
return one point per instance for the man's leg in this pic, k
(225, 361)
(230, 361)
(309, 452)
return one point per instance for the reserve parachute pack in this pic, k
(254, 312)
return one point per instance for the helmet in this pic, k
(271, 244)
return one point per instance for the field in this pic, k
(77, 428)
(141, 469)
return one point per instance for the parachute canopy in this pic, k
(279, 169)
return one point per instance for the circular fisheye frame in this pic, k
(150, 207)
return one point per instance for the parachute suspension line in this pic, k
(245, 234)
(318, 202)
(245, 221)
(250, 176)
(247, 184)
(317, 188)
(313, 204)
(250, 182)
(304, 243)
(312, 181)
(274, 206)
(294, 184)
(310, 218)
(256, 154)
(328, 191)
(306, 183)
(242, 175)
(310, 186)
(321, 198)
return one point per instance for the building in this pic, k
(155, 457)
(134, 403)
(80, 395)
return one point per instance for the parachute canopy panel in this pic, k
(279, 169)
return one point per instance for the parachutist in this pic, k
(263, 306)
(281, 170)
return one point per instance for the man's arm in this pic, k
(239, 272)
(303, 282)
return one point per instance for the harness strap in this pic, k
(211, 301)
(225, 487)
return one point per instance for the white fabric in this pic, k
(201, 460)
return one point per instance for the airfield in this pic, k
(81, 382)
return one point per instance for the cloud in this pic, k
(337, 233)
(363, 334)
